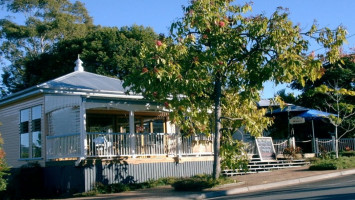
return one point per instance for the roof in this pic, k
(267, 103)
(76, 83)
(85, 81)
(289, 108)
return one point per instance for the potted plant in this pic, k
(292, 153)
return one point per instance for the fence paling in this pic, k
(346, 143)
(327, 145)
(322, 145)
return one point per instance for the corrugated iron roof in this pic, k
(75, 83)
(85, 81)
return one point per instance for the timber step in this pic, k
(255, 165)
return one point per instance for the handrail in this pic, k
(60, 136)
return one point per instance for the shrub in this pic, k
(100, 188)
(198, 183)
(347, 153)
(291, 152)
(313, 160)
(192, 184)
(345, 162)
(331, 164)
(324, 154)
(159, 182)
(195, 183)
(4, 168)
(324, 165)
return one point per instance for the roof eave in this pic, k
(91, 93)
(64, 91)
(20, 95)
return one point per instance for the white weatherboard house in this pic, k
(84, 122)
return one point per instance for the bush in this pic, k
(291, 152)
(347, 153)
(192, 184)
(198, 183)
(195, 183)
(313, 160)
(324, 165)
(100, 188)
(332, 164)
(4, 168)
(346, 162)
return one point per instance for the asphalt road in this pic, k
(342, 188)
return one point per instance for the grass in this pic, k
(333, 163)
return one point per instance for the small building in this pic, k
(84, 128)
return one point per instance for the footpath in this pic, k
(244, 183)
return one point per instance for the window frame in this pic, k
(34, 128)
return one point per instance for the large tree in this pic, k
(341, 72)
(108, 51)
(333, 92)
(46, 22)
(217, 58)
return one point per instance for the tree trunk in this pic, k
(336, 142)
(217, 139)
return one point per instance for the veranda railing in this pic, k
(150, 144)
(63, 146)
(126, 144)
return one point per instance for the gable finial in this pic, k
(78, 65)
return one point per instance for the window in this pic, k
(149, 124)
(30, 133)
(24, 134)
(158, 126)
(36, 131)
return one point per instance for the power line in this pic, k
(323, 47)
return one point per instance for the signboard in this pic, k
(265, 148)
(297, 120)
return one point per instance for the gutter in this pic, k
(20, 95)
(65, 91)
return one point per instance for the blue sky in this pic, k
(159, 14)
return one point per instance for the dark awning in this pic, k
(315, 114)
(290, 108)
